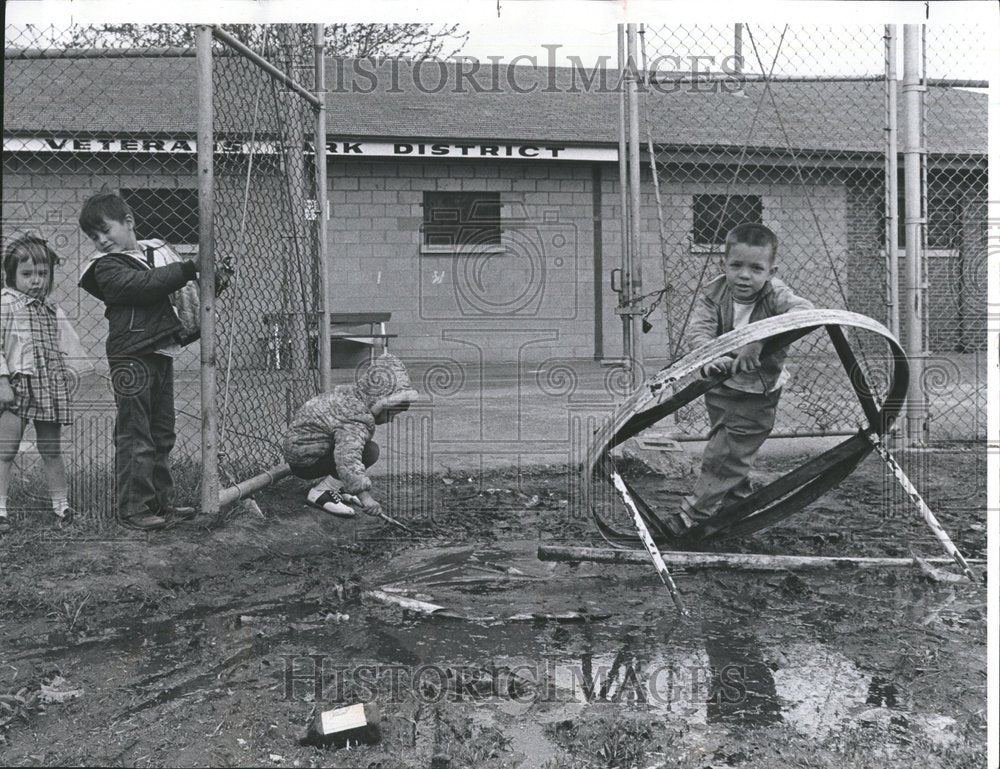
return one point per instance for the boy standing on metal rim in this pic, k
(742, 409)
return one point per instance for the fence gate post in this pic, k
(916, 407)
(323, 337)
(206, 258)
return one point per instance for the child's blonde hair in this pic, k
(28, 248)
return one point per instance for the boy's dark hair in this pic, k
(25, 248)
(751, 234)
(104, 205)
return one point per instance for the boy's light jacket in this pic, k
(343, 420)
(713, 316)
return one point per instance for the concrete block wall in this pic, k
(532, 302)
(810, 220)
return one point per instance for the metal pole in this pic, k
(916, 406)
(244, 489)
(738, 49)
(206, 260)
(654, 173)
(265, 65)
(626, 287)
(319, 46)
(892, 180)
(634, 200)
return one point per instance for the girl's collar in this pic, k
(27, 298)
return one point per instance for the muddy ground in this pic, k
(214, 645)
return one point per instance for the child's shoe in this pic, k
(330, 502)
(178, 513)
(65, 516)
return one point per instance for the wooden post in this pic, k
(206, 278)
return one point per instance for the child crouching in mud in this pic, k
(330, 437)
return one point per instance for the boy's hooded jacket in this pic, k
(343, 420)
(141, 318)
(713, 316)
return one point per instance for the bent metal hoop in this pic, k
(657, 399)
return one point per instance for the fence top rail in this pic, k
(12, 54)
(220, 34)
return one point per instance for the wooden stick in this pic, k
(915, 497)
(647, 540)
(747, 561)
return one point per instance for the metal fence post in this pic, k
(626, 265)
(916, 408)
(891, 180)
(319, 44)
(632, 78)
(206, 259)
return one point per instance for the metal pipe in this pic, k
(716, 77)
(661, 225)
(626, 287)
(319, 46)
(245, 488)
(172, 52)
(206, 277)
(264, 64)
(682, 438)
(632, 78)
(916, 404)
(892, 180)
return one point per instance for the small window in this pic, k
(456, 221)
(167, 214)
(716, 215)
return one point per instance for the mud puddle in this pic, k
(561, 641)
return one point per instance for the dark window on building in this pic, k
(716, 215)
(167, 214)
(944, 222)
(455, 219)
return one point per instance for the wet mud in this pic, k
(216, 644)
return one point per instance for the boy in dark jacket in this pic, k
(742, 409)
(142, 344)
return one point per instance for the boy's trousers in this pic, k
(740, 423)
(144, 432)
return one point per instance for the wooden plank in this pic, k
(741, 561)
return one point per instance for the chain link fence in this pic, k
(87, 111)
(736, 121)
(955, 208)
(265, 229)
